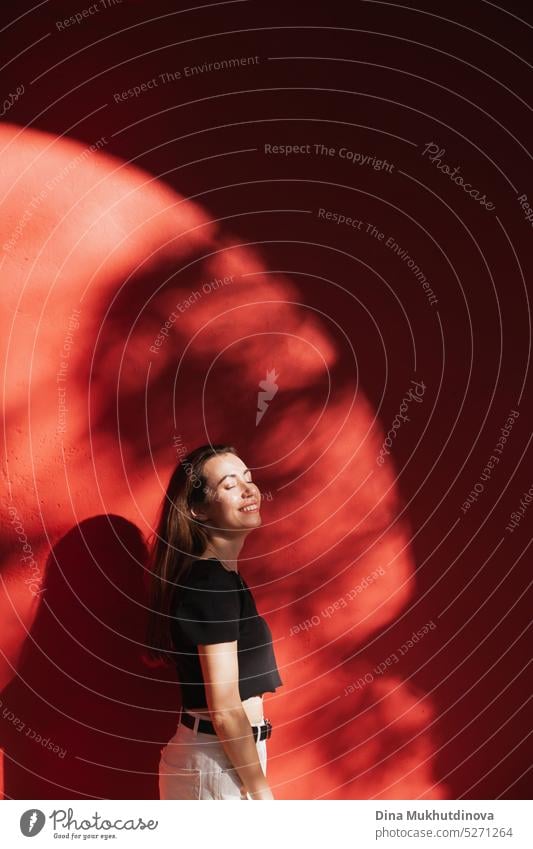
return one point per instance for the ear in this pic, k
(201, 517)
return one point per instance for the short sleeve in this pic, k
(209, 607)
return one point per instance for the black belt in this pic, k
(205, 726)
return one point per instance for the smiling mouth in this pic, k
(249, 508)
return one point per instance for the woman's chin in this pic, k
(250, 520)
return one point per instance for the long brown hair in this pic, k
(177, 539)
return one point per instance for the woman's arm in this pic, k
(220, 668)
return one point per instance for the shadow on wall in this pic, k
(84, 718)
(155, 386)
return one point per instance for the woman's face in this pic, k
(232, 499)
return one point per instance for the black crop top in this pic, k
(212, 606)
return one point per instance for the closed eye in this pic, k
(233, 487)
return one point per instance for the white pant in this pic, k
(194, 765)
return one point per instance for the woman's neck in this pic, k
(225, 551)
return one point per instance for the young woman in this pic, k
(203, 618)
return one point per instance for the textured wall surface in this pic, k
(175, 243)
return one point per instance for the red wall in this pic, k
(353, 557)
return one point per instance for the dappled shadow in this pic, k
(331, 515)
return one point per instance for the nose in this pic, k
(250, 489)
